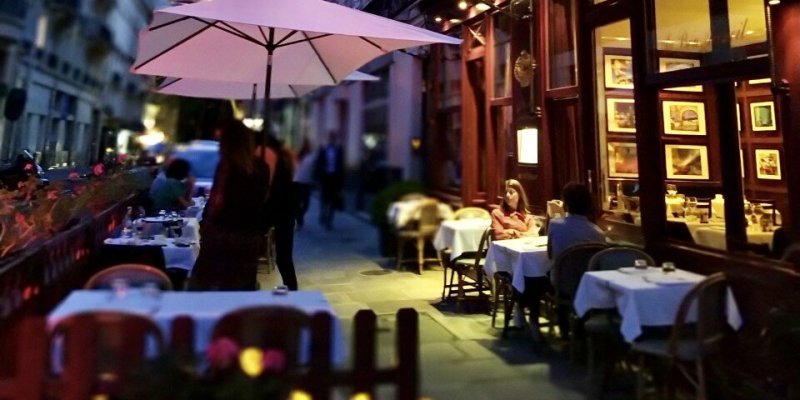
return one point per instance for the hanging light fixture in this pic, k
(462, 5)
(774, 2)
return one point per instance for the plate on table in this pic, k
(668, 279)
(636, 271)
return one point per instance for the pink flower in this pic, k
(98, 169)
(74, 175)
(20, 219)
(273, 360)
(52, 195)
(222, 353)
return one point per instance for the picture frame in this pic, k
(762, 116)
(618, 71)
(686, 161)
(768, 164)
(622, 160)
(621, 116)
(667, 64)
(684, 118)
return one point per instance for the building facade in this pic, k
(70, 60)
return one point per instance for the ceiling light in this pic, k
(774, 2)
(481, 7)
(437, 18)
(462, 5)
(455, 21)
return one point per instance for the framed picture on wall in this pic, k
(618, 71)
(622, 161)
(686, 161)
(666, 64)
(684, 118)
(768, 164)
(762, 116)
(621, 115)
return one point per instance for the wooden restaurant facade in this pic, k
(631, 97)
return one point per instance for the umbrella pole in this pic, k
(268, 83)
(253, 102)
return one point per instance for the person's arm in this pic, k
(185, 201)
(530, 226)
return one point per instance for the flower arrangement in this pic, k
(32, 214)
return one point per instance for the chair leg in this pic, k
(399, 261)
(701, 380)
(420, 254)
(640, 378)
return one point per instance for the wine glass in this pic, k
(758, 212)
(748, 213)
(672, 189)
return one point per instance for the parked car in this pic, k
(24, 167)
(203, 156)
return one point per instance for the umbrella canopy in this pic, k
(312, 42)
(240, 90)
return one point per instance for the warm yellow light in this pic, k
(438, 19)
(462, 5)
(361, 396)
(250, 360)
(299, 395)
(528, 146)
(455, 21)
(481, 7)
(774, 2)
(151, 138)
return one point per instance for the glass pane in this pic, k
(447, 168)
(562, 44)
(450, 77)
(683, 30)
(763, 172)
(502, 53)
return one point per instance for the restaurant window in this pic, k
(447, 138)
(683, 27)
(561, 46)
(502, 55)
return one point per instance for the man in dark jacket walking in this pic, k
(330, 173)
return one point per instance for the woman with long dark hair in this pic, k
(232, 230)
(512, 219)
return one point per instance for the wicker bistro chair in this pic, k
(99, 348)
(469, 271)
(445, 254)
(618, 256)
(420, 233)
(134, 274)
(690, 343)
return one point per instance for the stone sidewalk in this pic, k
(462, 356)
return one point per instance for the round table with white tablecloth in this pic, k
(460, 236)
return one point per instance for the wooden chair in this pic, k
(472, 212)
(278, 327)
(420, 234)
(116, 254)
(135, 274)
(502, 293)
(469, 271)
(618, 256)
(98, 350)
(690, 344)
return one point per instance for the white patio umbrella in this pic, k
(240, 90)
(301, 42)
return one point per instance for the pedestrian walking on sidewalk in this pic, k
(330, 173)
(281, 209)
(304, 180)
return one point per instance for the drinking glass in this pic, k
(280, 290)
(672, 189)
(668, 266)
(640, 264)
(119, 287)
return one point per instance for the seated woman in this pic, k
(173, 191)
(511, 219)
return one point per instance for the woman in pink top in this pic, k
(511, 219)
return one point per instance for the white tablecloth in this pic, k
(182, 257)
(400, 213)
(460, 235)
(714, 237)
(638, 300)
(523, 257)
(206, 308)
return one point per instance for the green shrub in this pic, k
(391, 193)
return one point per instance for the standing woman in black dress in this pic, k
(232, 230)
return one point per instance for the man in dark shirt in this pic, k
(330, 173)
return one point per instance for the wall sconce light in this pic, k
(528, 145)
(774, 2)
(416, 143)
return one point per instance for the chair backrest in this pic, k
(708, 296)
(792, 255)
(472, 212)
(100, 347)
(135, 275)
(428, 215)
(679, 231)
(278, 327)
(569, 266)
(618, 256)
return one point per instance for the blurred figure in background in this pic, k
(304, 180)
(329, 171)
(174, 191)
(232, 230)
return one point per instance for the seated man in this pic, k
(173, 190)
(575, 228)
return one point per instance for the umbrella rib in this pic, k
(238, 32)
(162, 87)
(374, 44)
(307, 39)
(294, 92)
(324, 64)
(170, 48)
(166, 24)
(290, 34)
